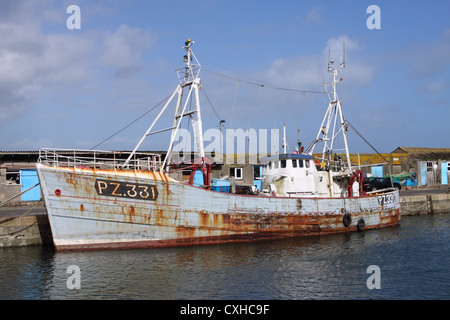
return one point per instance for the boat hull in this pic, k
(94, 209)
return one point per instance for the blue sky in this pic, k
(67, 88)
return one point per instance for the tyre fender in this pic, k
(347, 220)
(361, 224)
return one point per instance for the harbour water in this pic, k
(413, 262)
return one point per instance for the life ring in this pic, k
(361, 224)
(347, 219)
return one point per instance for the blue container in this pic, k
(221, 189)
(410, 182)
(220, 185)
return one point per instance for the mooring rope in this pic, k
(19, 194)
(419, 208)
(14, 219)
(11, 220)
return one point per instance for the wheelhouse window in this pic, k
(283, 163)
(294, 163)
(300, 162)
(275, 164)
(307, 163)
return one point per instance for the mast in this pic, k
(188, 77)
(333, 122)
(188, 81)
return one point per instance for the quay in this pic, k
(26, 223)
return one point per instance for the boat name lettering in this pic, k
(385, 199)
(126, 190)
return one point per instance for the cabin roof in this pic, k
(288, 156)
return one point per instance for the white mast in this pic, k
(188, 77)
(333, 122)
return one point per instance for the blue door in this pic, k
(198, 178)
(29, 178)
(377, 171)
(423, 173)
(444, 173)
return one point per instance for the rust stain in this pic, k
(186, 232)
(226, 218)
(212, 226)
(131, 213)
(216, 219)
(204, 218)
(248, 227)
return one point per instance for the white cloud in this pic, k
(37, 65)
(122, 50)
(32, 61)
(314, 15)
(308, 72)
(262, 106)
(434, 87)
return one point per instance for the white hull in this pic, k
(92, 208)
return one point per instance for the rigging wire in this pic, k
(389, 166)
(264, 85)
(132, 122)
(360, 135)
(217, 115)
(220, 75)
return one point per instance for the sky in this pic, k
(63, 87)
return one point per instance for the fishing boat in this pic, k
(105, 199)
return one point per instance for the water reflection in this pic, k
(412, 258)
(25, 272)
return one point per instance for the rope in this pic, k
(365, 140)
(264, 85)
(360, 135)
(132, 122)
(35, 205)
(418, 208)
(10, 220)
(12, 233)
(217, 115)
(13, 197)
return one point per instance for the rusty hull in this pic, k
(92, 209)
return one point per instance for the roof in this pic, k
(425, 153)
(288, 156)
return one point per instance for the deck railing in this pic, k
(99, 159)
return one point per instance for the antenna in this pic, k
(342, 65)
(333, 123)
(331, 67)
(330, 62)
